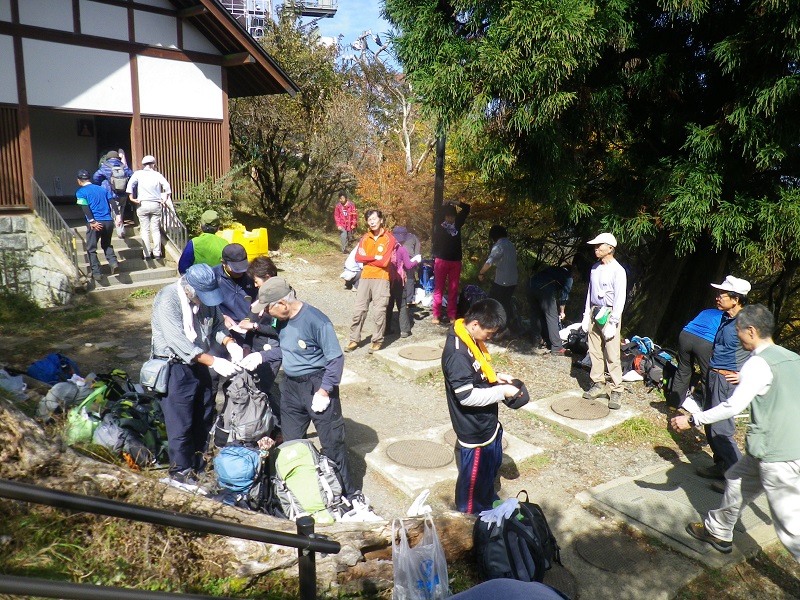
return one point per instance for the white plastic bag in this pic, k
(420, 573)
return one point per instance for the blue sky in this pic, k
(352, 18)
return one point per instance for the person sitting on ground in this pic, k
(375, 252)
(548, 292)
(473, 392)
(447, 255)
(207, 247)
(503, 257)
(186, 321)
(768, 384)
(94, 200)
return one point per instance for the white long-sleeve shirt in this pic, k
(755, 379)
(607, 287)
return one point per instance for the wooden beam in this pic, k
(192, 11)
(238, 59)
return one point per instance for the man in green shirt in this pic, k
(768, 383)
(207, 247)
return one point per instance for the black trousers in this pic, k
(503, 294)
(296, 416)
(188, 416)
(544, 318)
(720, 434)
(692, 350)
(104, 238)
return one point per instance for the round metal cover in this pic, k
(610, 551)
(420, 454)
(562, 580)
(420, 353)
(580, 408)
(450, 439)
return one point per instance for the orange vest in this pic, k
(376, 246)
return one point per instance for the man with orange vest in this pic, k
(375, 252)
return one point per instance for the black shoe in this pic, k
(719, 486)
(698, 532)
(717, 471)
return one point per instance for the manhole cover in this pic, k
(562, 580)
(451, 439)
(420, 353)
(610, 552)
(420, 454)
(580, 408)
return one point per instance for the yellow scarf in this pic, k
(478, 349)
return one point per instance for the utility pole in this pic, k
(438, 181)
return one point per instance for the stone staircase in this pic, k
(135, 273)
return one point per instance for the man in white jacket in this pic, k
(602, 319)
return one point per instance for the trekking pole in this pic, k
(307, 561)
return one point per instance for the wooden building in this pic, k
(80, 77)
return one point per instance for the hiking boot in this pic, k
(405, 334)
(698, 532)
(374, 347)
(717, 471)
(351, 346)
(719, 486)
(561, 352)
(596, 391)
(615, 401)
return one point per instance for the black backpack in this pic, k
(576, 342)
(522, 547)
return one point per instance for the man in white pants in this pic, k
(150, 190)
(602, 319)
(768, 383)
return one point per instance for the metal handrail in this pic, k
(55, 223)
(305, 540)
(173, 227)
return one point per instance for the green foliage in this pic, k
(141, 293)
(211, 194)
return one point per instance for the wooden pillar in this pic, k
(23, 116)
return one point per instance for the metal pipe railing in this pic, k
(305, 540)
(173, 227)
(55, 223)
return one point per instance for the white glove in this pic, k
(236, 352)
(587, 321)
(500, 513)
(251, 361)
(224, 368)
(319, 402)
(417, 258)
(609, 331)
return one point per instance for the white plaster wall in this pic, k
(5, 10)
(58, 150)
(8, 76)
(155, 30)
(180, 89)
(104, 20)
(59, 75)
(52, 14)
(194, 40)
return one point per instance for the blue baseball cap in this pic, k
(201, 277)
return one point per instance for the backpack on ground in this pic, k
(246, 415)
(53, 368)
(576, 342)
(133, 426)
(118, 179)
(659, 368)
(307, 483)
(244, 476)
(521, 547)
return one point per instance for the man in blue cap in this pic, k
(94, 201)
(186, 321)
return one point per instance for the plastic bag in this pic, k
(420, 573)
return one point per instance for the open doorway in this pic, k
(113, 133)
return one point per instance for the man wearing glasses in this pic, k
(723, 375)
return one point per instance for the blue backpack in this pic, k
(53, 368)
(426, 276)
(237, 467)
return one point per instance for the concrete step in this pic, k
(129, 265)
(113, 293)
(135, 278)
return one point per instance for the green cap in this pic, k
(210, 217)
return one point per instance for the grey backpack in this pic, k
(246, 415)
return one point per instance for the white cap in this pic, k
(148, 159)
(604, 238)
(733, 284)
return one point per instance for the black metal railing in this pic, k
(305, 540)
(173, 227)
(55, 223)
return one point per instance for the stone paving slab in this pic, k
(413, 480)
(663, 500)
(350, 377)
(583, 429)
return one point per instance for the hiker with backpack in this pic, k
(113, 175)
(313, 363)
(400, 266)
(473, 392)
(186, 322)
